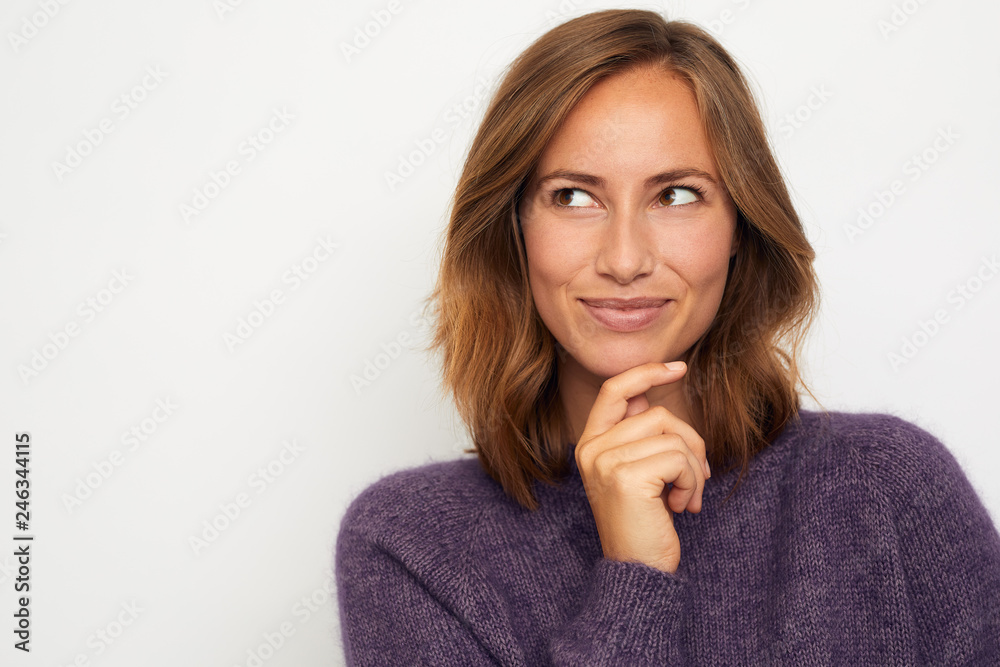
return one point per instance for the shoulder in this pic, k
(438, 501)
(833, 435)
(900, 460)
(874, 437)
(863, 427)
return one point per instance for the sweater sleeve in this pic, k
(948, 544)
(388, 616)
(410, 593)
(631, 615)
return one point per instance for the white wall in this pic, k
(188, 282)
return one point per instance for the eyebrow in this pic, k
(656, 179)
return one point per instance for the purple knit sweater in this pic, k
(856, 540)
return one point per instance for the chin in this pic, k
(612, 360)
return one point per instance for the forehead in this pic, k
(641, 119)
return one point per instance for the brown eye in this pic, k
(571, 198)
(677, 196)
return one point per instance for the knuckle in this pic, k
(608, 465)
(675, 441)
(676, 455)
(659, 412)
(609, 387)
(612, 470)
(602, 462)
(687, 478)
(622, 477)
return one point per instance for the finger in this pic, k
(653, 474)
(687, 486)
(637, 404)
(654, 421)
(658, 420)
(640, 448)
(646, 449)
(612, 400)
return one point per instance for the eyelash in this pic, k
(694, 188)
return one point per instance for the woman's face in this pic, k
(627, 203)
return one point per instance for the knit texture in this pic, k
(855, 539)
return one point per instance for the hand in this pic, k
(627, 455)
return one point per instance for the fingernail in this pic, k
(675, 366)
(708, 470)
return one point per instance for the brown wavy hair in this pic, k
(499, 359)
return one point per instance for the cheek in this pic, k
(555, 259)
(702, 256)
(554, 255)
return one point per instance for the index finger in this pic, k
(612, 401)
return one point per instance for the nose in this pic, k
(625, 251)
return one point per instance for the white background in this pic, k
(124, 539)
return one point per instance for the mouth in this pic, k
(625, 315)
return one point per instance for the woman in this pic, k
(620, 308)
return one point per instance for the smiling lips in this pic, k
(625, 315)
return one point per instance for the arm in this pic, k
(949, 548)
(387, 617)
(630, 616)
(409, 592)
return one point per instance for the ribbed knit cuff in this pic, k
(632, 613)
